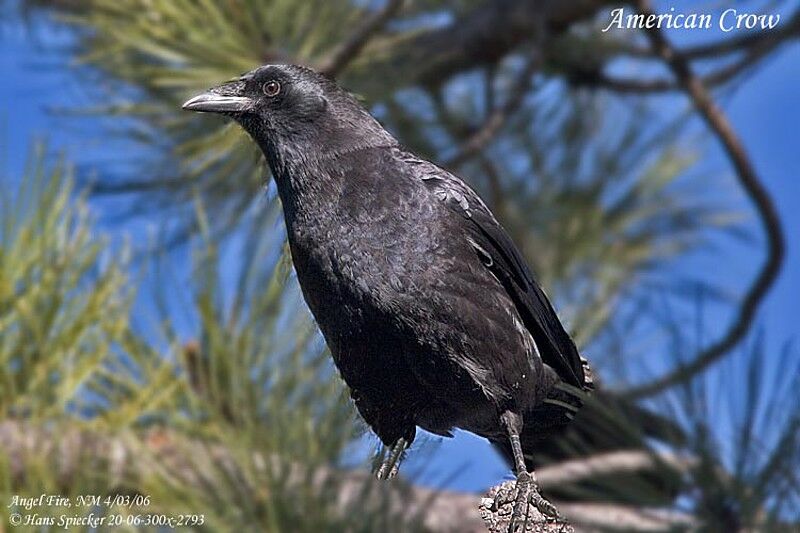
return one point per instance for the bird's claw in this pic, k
(545, 507)
(520, 512)
(526, 492)
(497, 509)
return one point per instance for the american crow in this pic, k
(431, 314)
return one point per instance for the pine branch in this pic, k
(349, 49)
(750, 182)
(740, 43)
(713, 79)
(481, 36)
(71, 450)
(496, 118)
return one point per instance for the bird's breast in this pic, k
(374, 243)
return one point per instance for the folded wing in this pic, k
(499, 254)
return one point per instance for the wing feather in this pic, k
(503, 259)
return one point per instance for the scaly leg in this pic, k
(391, 463)
(526, 486)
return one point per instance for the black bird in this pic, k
(431, 314)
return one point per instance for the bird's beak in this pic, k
(222, 99)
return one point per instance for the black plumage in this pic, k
(430, 311)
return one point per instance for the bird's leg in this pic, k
(526, 486)
(513, 424)
(391, 463)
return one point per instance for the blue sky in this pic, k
(765, 111)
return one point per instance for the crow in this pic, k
(432, 316)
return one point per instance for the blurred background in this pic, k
(153, 340)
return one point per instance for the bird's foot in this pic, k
(517, 506)
(545, 507)
(519, 514)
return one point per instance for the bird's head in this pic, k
(292, 111)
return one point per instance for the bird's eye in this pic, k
(271, 88)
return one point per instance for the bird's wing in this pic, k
(499, 254)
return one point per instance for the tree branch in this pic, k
(70, 450)
(718, 77)
(601, 464)
(472, 40)
(787, 31)
(496, 118)
(715, 78)
(350, 48)
(749, 180)
(594, 517)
